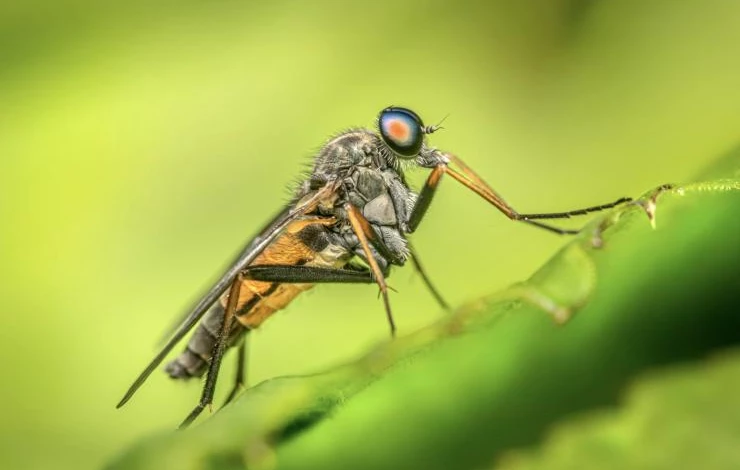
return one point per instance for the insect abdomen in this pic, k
(193, 360)
(258, 305)
(301, 244)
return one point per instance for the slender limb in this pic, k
(218, 353)
(306, 274)
(551, 228)
(371, 236)
(502, 206)
(364, 231)
(577, 212)
(240, 376)
(420, 269)
(425, 197)
(472, 181)
(469, 173)
(480, 187)
(291, 275)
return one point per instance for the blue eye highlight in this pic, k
(402, 130)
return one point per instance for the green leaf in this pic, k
(686, 417)
(648, 284)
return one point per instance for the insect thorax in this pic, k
(371, 180)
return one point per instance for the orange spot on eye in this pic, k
(398, 130)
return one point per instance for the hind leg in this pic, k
(240, 378)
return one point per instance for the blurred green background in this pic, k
(141, 145)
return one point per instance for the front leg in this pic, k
(468, 178)
(425, 197)
(367, 236)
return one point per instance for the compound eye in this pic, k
(402, 131)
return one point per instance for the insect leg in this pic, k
(306, 274)
(218, 353)
(291, 275)
(417, 214)
(240, 378)
(425, 197)
(472, 181)
(420, 269)
(364, 232)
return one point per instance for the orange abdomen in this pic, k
(257, 299)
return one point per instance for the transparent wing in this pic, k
(253, 249)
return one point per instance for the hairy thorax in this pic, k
(372, 181)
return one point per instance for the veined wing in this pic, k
(248, 254)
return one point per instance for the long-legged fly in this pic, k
(347, 222)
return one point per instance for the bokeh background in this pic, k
(142, 144)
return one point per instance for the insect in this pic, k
(347, 222)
